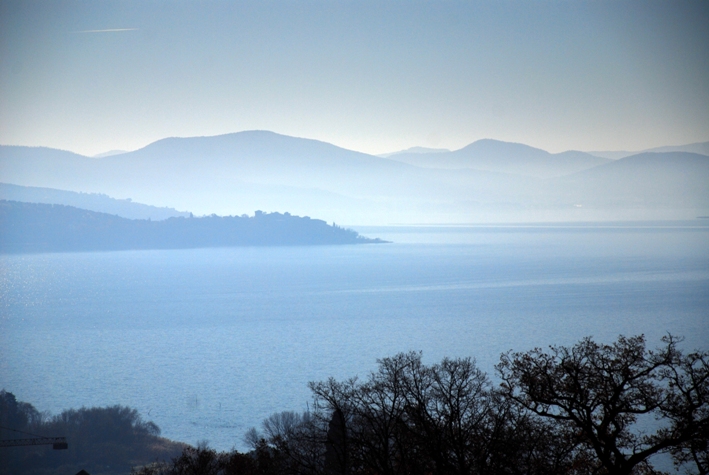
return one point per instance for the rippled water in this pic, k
(208, 342)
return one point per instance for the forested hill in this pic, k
(31, 227)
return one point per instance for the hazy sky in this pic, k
(375, 76)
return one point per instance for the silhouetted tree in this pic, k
(16, 414)
(409, 418)
(294, 442)
(198, 461)
(599, 394)
(106, 440)
(336, 445)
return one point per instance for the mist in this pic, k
(208, 210)
(486, 181)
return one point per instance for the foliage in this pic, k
(100, 439)
(205, 461)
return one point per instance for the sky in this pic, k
(373, 76)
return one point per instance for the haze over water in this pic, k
(208, 342)
(136, 125)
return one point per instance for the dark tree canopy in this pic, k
(105, 440)
(621, 402)
(587, 409)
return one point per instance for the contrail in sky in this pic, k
(110, 30)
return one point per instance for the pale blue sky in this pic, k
(375, 76)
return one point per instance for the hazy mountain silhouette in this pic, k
(699, 147)
(505, 157)
(31, 227)
(613, 155)
(485, 181)
(237, 172)
(649, 180)
(89, 201)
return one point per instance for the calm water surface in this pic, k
(209, 342)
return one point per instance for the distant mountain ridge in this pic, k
(486, 181)
(701, 148)
(505, 157)
(646, 180)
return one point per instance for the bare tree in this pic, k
(294, 442)
(611, 397)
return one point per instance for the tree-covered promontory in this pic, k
(101, 440)
(31, 227)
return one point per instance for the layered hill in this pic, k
(30, 227)
(486, 181)
(701, 148)
(647, 180)
(505, 157)
(239, 172)
(90, 201)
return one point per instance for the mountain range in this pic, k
(486, 181)
(496, 156)
(701, 148)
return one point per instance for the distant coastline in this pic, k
(36, 228)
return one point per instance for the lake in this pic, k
(208, 342)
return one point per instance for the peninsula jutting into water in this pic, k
(31, 227)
